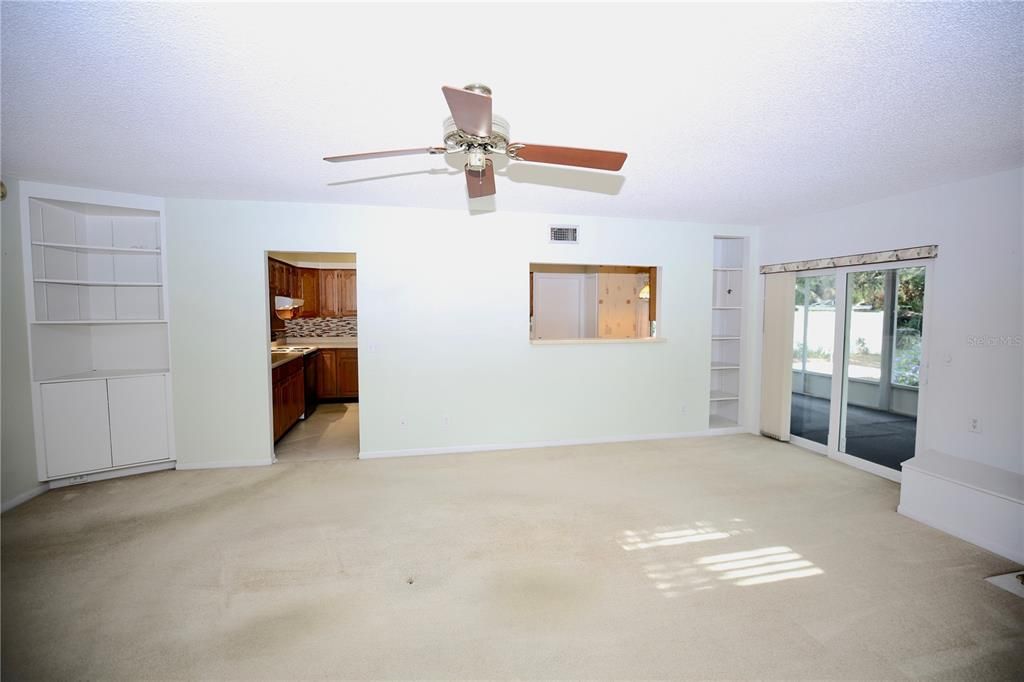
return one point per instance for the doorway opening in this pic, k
(314, 355)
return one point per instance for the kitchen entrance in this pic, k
(314, 356)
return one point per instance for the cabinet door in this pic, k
(76, 432)
(138, 419)
(348, 374)
(293, 281)
(327, 374)
(348, 293)
(309, 292)
(330, 293)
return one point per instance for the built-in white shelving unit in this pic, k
(726, 331)
(96, 302)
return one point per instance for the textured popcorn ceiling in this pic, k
(729, 113)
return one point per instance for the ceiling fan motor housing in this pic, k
(456, 140)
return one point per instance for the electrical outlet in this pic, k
(682, 410)
(974, 425)
(402, 422)
(445, 420)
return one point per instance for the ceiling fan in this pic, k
(474, 130)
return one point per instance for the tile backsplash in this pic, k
(322, 326)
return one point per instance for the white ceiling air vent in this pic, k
(565, 234)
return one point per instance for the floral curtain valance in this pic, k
(914, 253)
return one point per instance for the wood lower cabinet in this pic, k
(338, 373)
(289, 383)
(327, 374)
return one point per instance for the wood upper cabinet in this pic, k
(330, 293)
(348, 293)
(309, 292)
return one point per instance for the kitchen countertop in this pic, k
(278, 359)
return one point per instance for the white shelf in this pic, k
(86, 283)
(722, 395)
(728, 269)
(717, 421)
(724, 365)
(725, 338)
(727, 307)
(100, 322)
(95, 374)
(98, 249)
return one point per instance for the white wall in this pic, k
(443, 328)
(17, 451)
(975, 290)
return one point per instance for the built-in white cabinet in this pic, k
(94, 424)
(76, 431)
(138, 419)
(96, 302)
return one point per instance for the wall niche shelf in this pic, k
(96, 303)
(88, 283)
(727, 275)
(49, 322)
(97, 248)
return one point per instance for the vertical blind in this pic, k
(777, 355)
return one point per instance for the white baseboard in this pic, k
(981, 517)
(457, 449)
(230, 464)
(24, 497)
(93, 476)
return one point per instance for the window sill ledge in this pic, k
(577, 342)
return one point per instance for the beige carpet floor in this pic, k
(731, 557)
(331, 432)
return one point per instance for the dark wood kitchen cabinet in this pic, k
(338, 373)
(330, 293)
(348, 293)
(280, 276)
(337, 293)
(289, 395)
(309, 292)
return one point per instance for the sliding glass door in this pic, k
(814, 323)
(857, 363)
(882, 367)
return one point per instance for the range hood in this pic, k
(285, 306)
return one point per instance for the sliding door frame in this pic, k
(837, 407)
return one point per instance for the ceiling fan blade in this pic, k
(471, 110)
(570, 156)
(381, 155)
(480, 183)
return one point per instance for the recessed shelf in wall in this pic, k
(85, 283)
(104, 374)
(728, 269)
(725, 338)
(717, 421)
(100, 322)
(98, 249)
(722, 395)
(727, 307)
(724, 365)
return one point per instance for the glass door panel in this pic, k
(814, 322)
(884, 315)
